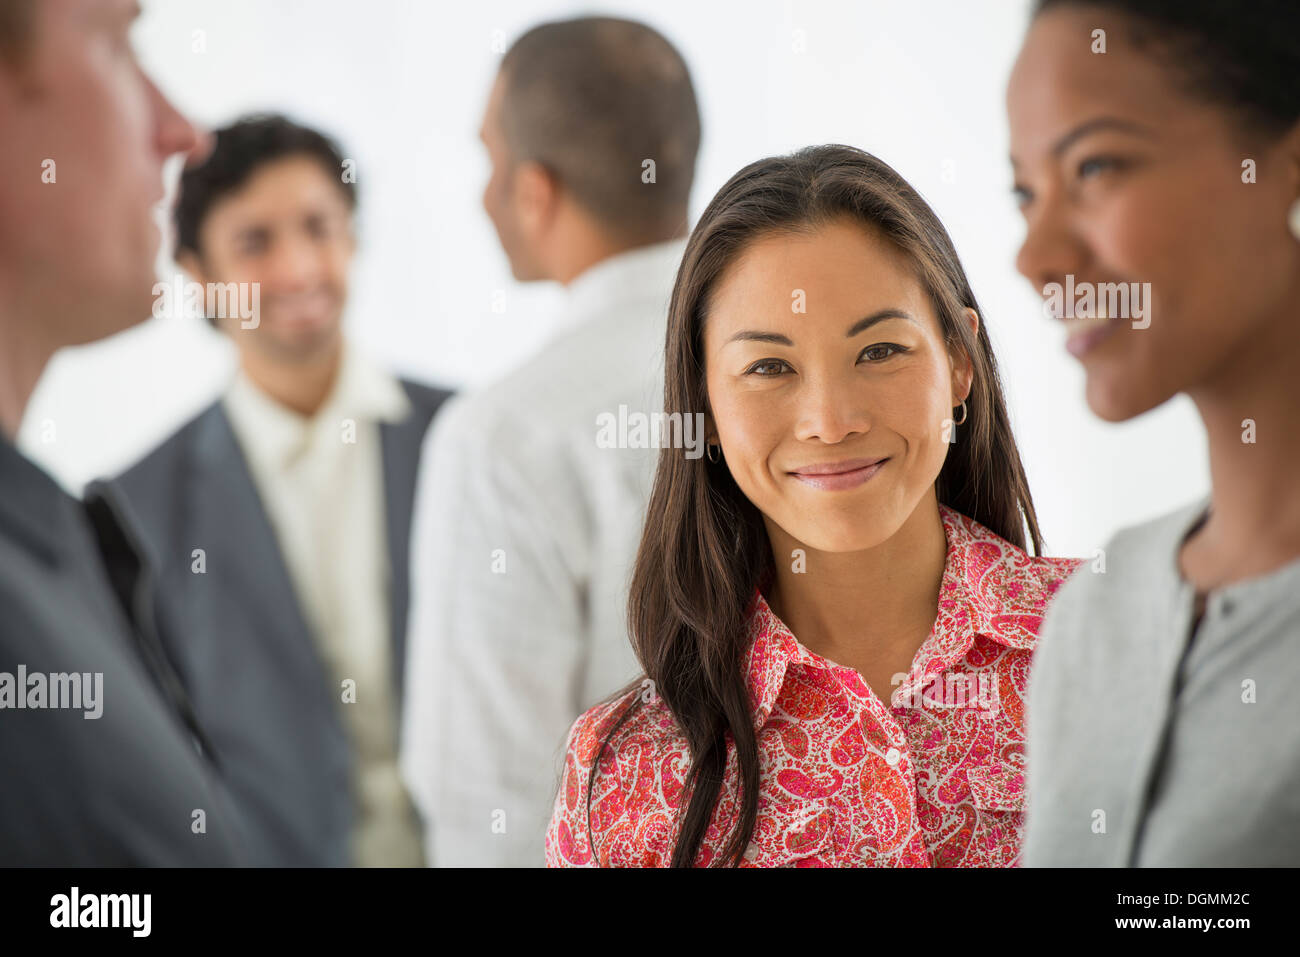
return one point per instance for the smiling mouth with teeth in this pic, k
(1077, 324)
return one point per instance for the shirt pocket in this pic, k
(792, 835)
(998, 795)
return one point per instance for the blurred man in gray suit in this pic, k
(104, 761)
(278, 518)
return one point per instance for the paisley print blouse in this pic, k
(935, 778)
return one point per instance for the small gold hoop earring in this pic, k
(962, 420)
(714, 452)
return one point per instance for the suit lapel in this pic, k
(401, 443)
(228, 515)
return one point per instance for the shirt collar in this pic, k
(984, 591)
(640, 273)
(274, 434)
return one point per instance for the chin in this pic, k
(131, 310)
(1111, 402)
(521, 273)
(837, 535)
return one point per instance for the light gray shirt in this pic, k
(1149, 746)
(527, 521)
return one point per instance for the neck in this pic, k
(23, 357)
(1255, 499)
(586, 244)
(879, 602)
(303, 386)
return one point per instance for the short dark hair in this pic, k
(16, 17)
(1242, 56)
(591, 99)
(240, 149)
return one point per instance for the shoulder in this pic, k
(150, 495)
(627, 758)
(149, 489)
(170, 449)
(425, 399)
(552, 402)
(477, 448)
(1130, 562)
(1005, 575)
(1106, 614)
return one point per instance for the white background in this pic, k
(401, 84)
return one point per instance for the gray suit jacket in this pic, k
(238, 634)
(122, 788)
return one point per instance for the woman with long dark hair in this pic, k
(1156, 145)
(834, 607)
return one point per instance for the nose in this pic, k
(1051, 248)
(173, 132)
(294, 265)
(830, 409)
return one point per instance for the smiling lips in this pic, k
(837, 476)
(1082, 335)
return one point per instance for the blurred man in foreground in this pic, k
(104, 760)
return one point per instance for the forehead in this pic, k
(840, 268)
(280, 187)
(1059, 77)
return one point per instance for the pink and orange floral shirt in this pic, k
(933, 778)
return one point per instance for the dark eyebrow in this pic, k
(880, 316)
(1094, 125)
(251, 232)
(753, 335)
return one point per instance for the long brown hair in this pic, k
(704, 547)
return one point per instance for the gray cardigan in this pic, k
(1148, 747)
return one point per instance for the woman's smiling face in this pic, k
(824, 355)
(1124, 177)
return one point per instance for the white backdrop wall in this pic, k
(402, 83)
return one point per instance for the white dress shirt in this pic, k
(524, 538)
(321, 482)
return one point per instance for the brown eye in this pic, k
(1094, 166)
(881, 351)
(775, 365)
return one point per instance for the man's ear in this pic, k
(963, 369)
(536, 196)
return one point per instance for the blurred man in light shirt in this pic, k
(526, 525)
